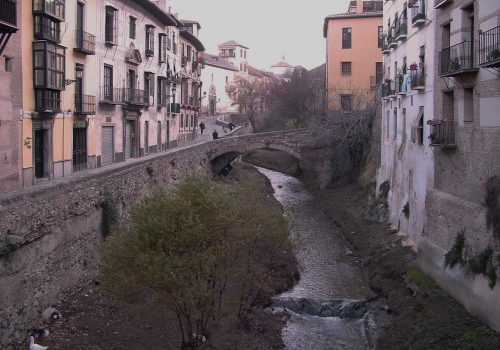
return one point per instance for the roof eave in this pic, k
(194, 40)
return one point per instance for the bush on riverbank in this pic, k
(204, 250)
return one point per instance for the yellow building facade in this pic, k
(353, 55)
(58, 113)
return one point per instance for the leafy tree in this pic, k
(186, 247)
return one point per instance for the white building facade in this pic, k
(408, 103)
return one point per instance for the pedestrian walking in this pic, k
(202, 126)
(215, 135)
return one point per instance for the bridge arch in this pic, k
(222, 158)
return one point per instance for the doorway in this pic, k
(41, 153)
(79, 148)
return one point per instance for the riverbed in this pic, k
(332, 306)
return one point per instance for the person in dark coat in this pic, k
(202, 126)
(215, 135)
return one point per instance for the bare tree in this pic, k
(248, 93)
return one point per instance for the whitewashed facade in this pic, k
(408, 103)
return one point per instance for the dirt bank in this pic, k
(424, 316)
(92, 319)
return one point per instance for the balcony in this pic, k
(174, 108)
(401, 88)
(391, 39)
(135, 97)
(385, 45)
(47, 101)
(110, 95)
(418, 16)
(85, 43)
(401, 27)
(47, 29)
(489, 48)
(417, 79)
(442, 133)
(52, 8)
(388, 90)
(457, 59)
(441, 3)
(84, 104)
(8, 16)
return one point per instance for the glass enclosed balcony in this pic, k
(52, 8)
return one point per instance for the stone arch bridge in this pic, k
(313, 149)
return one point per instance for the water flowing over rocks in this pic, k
(332, 306)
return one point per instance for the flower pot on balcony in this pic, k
(493, 55)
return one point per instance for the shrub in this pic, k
(492, 199)
(455, 255)
(184, 246)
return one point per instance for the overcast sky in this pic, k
(270, 28)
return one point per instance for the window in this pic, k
(162, 92)
(468, 105)
(380, 37)
(189, 53)
(346, 102)
(345, 68)
(395, 124)
(111, 26)
(52, 7)
(149, 87)
(132, 28)
(8, 64)
(150, 40)
(162, 48)
(108, 83)
(174, 43)
(404, 126)
(47, 28)
(372, 6)
(379, 72)
(346, 38)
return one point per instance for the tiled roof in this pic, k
(188, 22)
(282, 64)
(219, 62)
(232, 43)
(348, 15)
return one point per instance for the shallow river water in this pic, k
(332, 306)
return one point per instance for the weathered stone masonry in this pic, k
(58, 223)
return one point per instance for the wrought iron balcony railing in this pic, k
(417, 79)
(388, 89)
(457, 59)
(400, 85)
(418, 16)
(174, 108)
(489, 48)
(401, 27)
(84, 104)
(441, 3)
(110, 95)
(442, 133)
(391, 39)
(8, 16)
(135, 97)
(85, 42)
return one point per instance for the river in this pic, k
(332, 306)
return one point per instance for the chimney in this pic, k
(162, 4)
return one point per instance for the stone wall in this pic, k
(56, 226)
